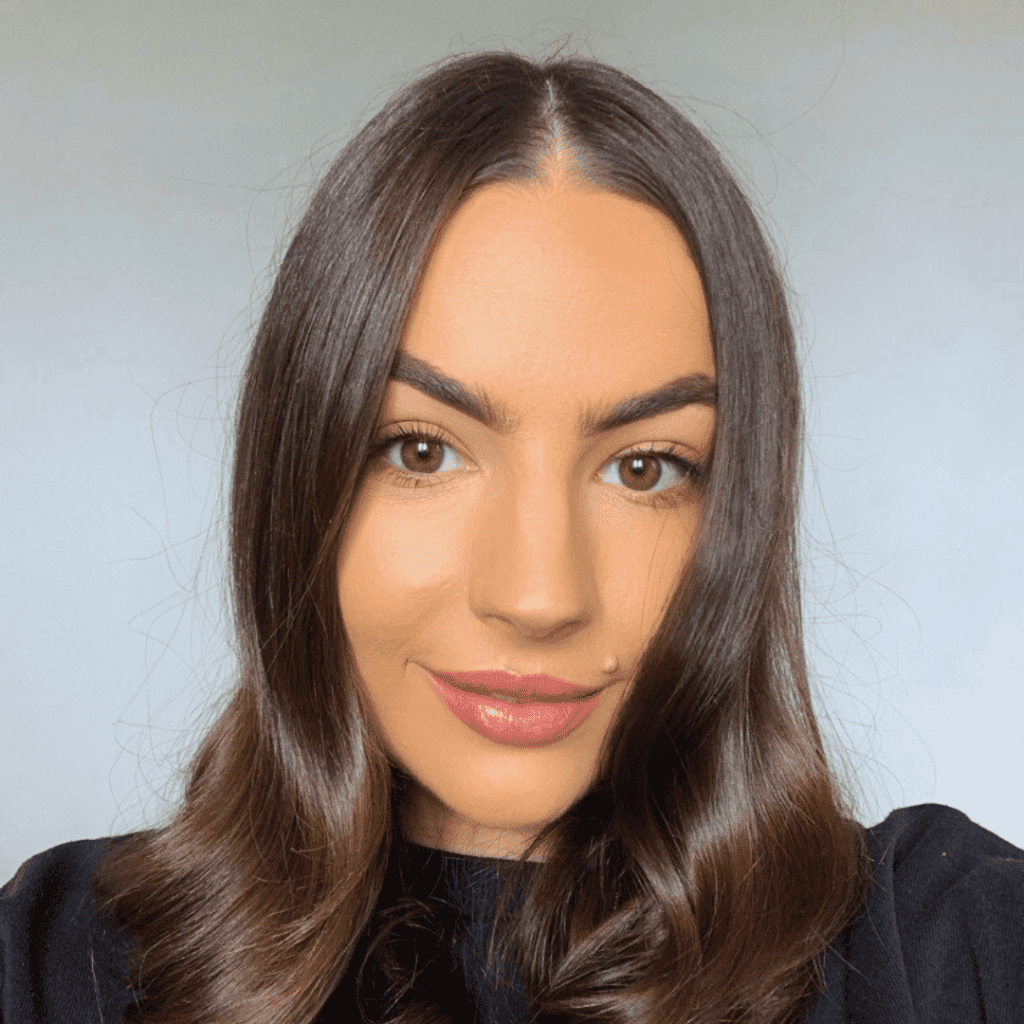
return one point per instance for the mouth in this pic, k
(518, 689)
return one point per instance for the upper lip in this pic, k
(508, 685)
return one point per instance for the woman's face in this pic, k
(532, 545)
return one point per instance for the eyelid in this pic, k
(394, 431)
(386, 436)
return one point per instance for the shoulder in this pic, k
(52, 890)
(58, 959)
(944, 870)
(940, 934)
(52, 872)
(913, 836)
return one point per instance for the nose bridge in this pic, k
(532, 563)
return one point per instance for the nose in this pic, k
(532, 563)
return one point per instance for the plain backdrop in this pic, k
(154, 159)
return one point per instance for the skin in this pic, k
(526, 551)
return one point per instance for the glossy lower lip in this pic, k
(513, 724)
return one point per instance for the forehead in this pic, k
(559, 284)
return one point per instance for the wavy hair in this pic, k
(714, 858)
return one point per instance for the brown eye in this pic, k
(421, 454)
(655, 476)
(416, 454)
(640, 472)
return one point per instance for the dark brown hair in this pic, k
(714, 859)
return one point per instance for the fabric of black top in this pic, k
(940, 937)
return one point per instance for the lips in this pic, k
(515, 721)
(517, 689)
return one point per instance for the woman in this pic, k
(522, 729)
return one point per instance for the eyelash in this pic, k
(670, 498)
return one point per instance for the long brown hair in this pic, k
(714, 859)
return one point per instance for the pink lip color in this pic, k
(514, 724)
(536, 687)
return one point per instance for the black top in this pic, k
(940, 939)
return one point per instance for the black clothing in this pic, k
(940, 937)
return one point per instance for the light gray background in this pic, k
(153, 160)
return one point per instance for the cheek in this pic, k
(393, 565)
(641, 567)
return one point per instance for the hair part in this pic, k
(701, 880)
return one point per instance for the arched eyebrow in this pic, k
(690, 389)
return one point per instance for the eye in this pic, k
(413, 455)
(418, 453)
(651, 471)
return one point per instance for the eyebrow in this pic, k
(691, 389)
